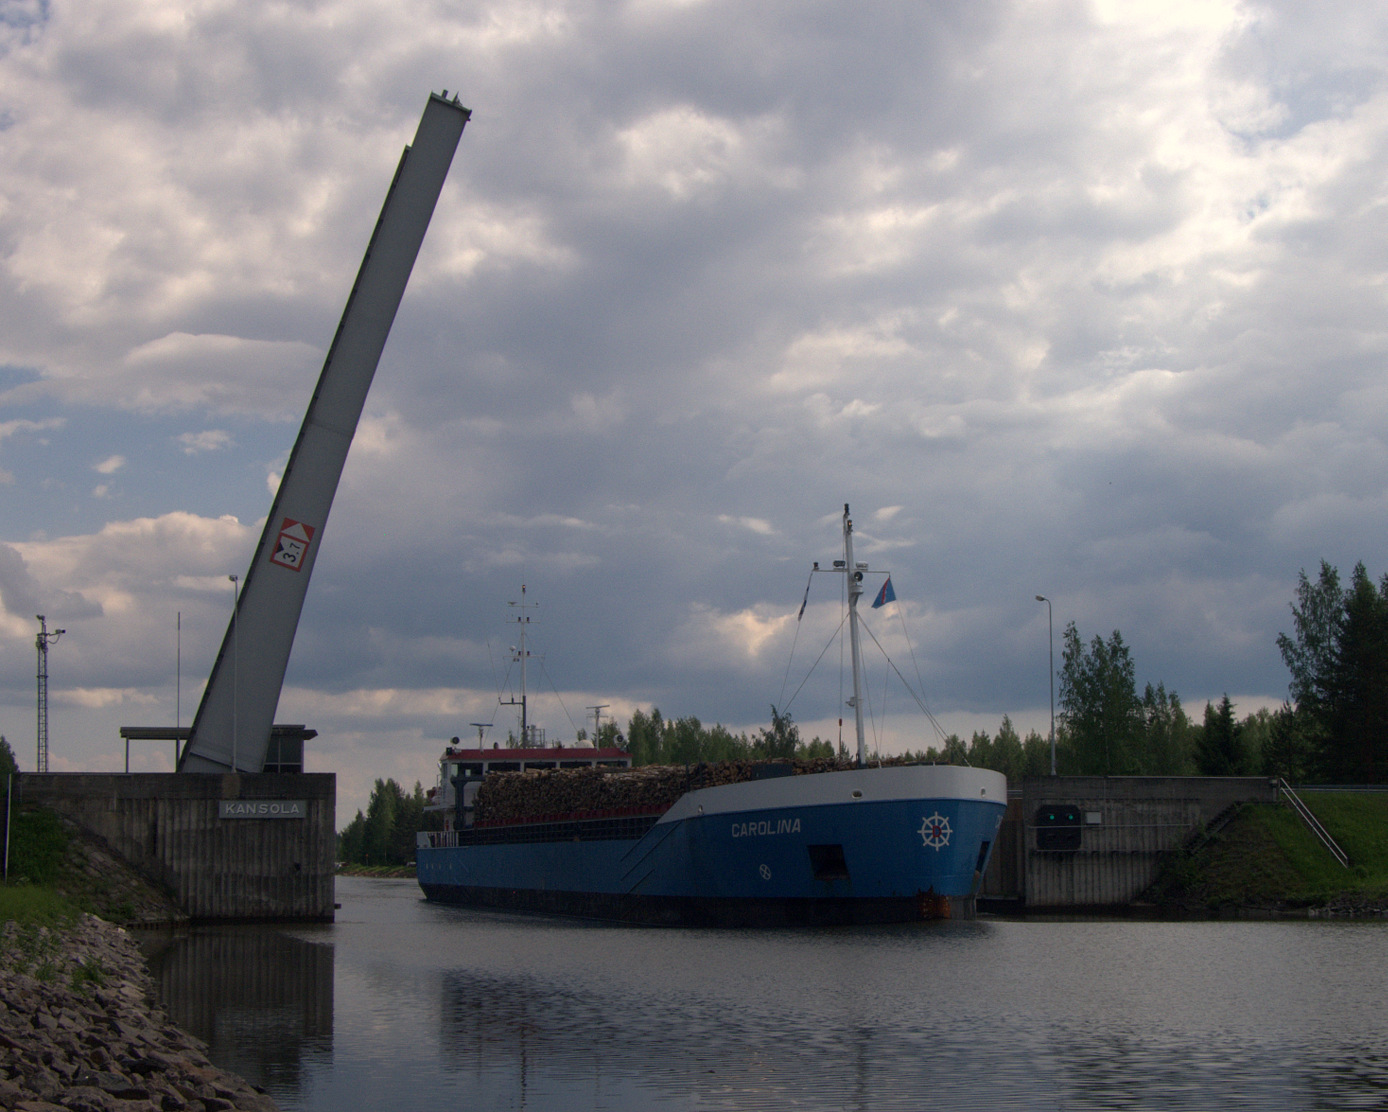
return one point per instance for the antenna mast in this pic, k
(521, 654)
(44, 639)
(597, 720)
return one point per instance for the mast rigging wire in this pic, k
(919, 700)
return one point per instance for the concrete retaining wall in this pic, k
(219, 862)
(1128, 825)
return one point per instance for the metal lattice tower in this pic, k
(44, 639)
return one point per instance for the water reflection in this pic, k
(260, 998)
(517, 1042)
(456, 1009)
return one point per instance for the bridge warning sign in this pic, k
(291, 546)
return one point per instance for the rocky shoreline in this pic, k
(81, 1030)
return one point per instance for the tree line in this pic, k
(651, 739)
(385, 835)
(1332, 729)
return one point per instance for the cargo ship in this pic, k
(761, 843)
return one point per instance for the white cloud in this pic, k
(208, 440)
(686, 152)
(11, 428)
(220, 374)
(757, 525)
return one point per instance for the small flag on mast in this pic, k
(885, 595)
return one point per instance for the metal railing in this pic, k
(1312, 823)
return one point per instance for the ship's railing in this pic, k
(572, 816)
(623, 824)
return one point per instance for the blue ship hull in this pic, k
(883, 844)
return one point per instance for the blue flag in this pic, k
(885, 595)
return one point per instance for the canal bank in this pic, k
(81, 1029)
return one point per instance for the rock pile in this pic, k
(534, 794)
(80, 1030)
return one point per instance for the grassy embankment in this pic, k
(377, 870)
(38, 848)
(1266, 859)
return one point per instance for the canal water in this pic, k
(402, 1004)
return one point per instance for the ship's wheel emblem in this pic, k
(935, 831)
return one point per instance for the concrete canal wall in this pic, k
(1095, 842)
(226, 847)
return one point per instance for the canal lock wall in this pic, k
(1096, 843)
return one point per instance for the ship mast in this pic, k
(523, 620)
(855, 589)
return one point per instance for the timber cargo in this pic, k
(515, 796)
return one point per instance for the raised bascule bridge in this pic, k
(240, 831)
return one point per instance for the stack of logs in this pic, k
(539, 794)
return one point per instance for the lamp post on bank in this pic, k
(1050, 640)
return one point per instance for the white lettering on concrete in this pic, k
(262, 809)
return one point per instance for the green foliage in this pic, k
(652, 739)
(645, 738)
(1016, 758)
(1166, 734)
(38, 844)
(1358, 711)
(1100, 711)
(90, 972)
(1264, 857)
(1358, 821)
(35, 945)
(779, 742)
(8, 765)
(1036, 757)
(1321, 876)
(1006, 750)
(1284, 748)
(31, 905)
(385, 835)
(1310, 653)
(1219, 749)
(1338, 659)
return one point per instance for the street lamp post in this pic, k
(1050, 639)
(235, 653)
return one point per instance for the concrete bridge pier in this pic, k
(226, 846)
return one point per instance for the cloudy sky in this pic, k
(1076, 299)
